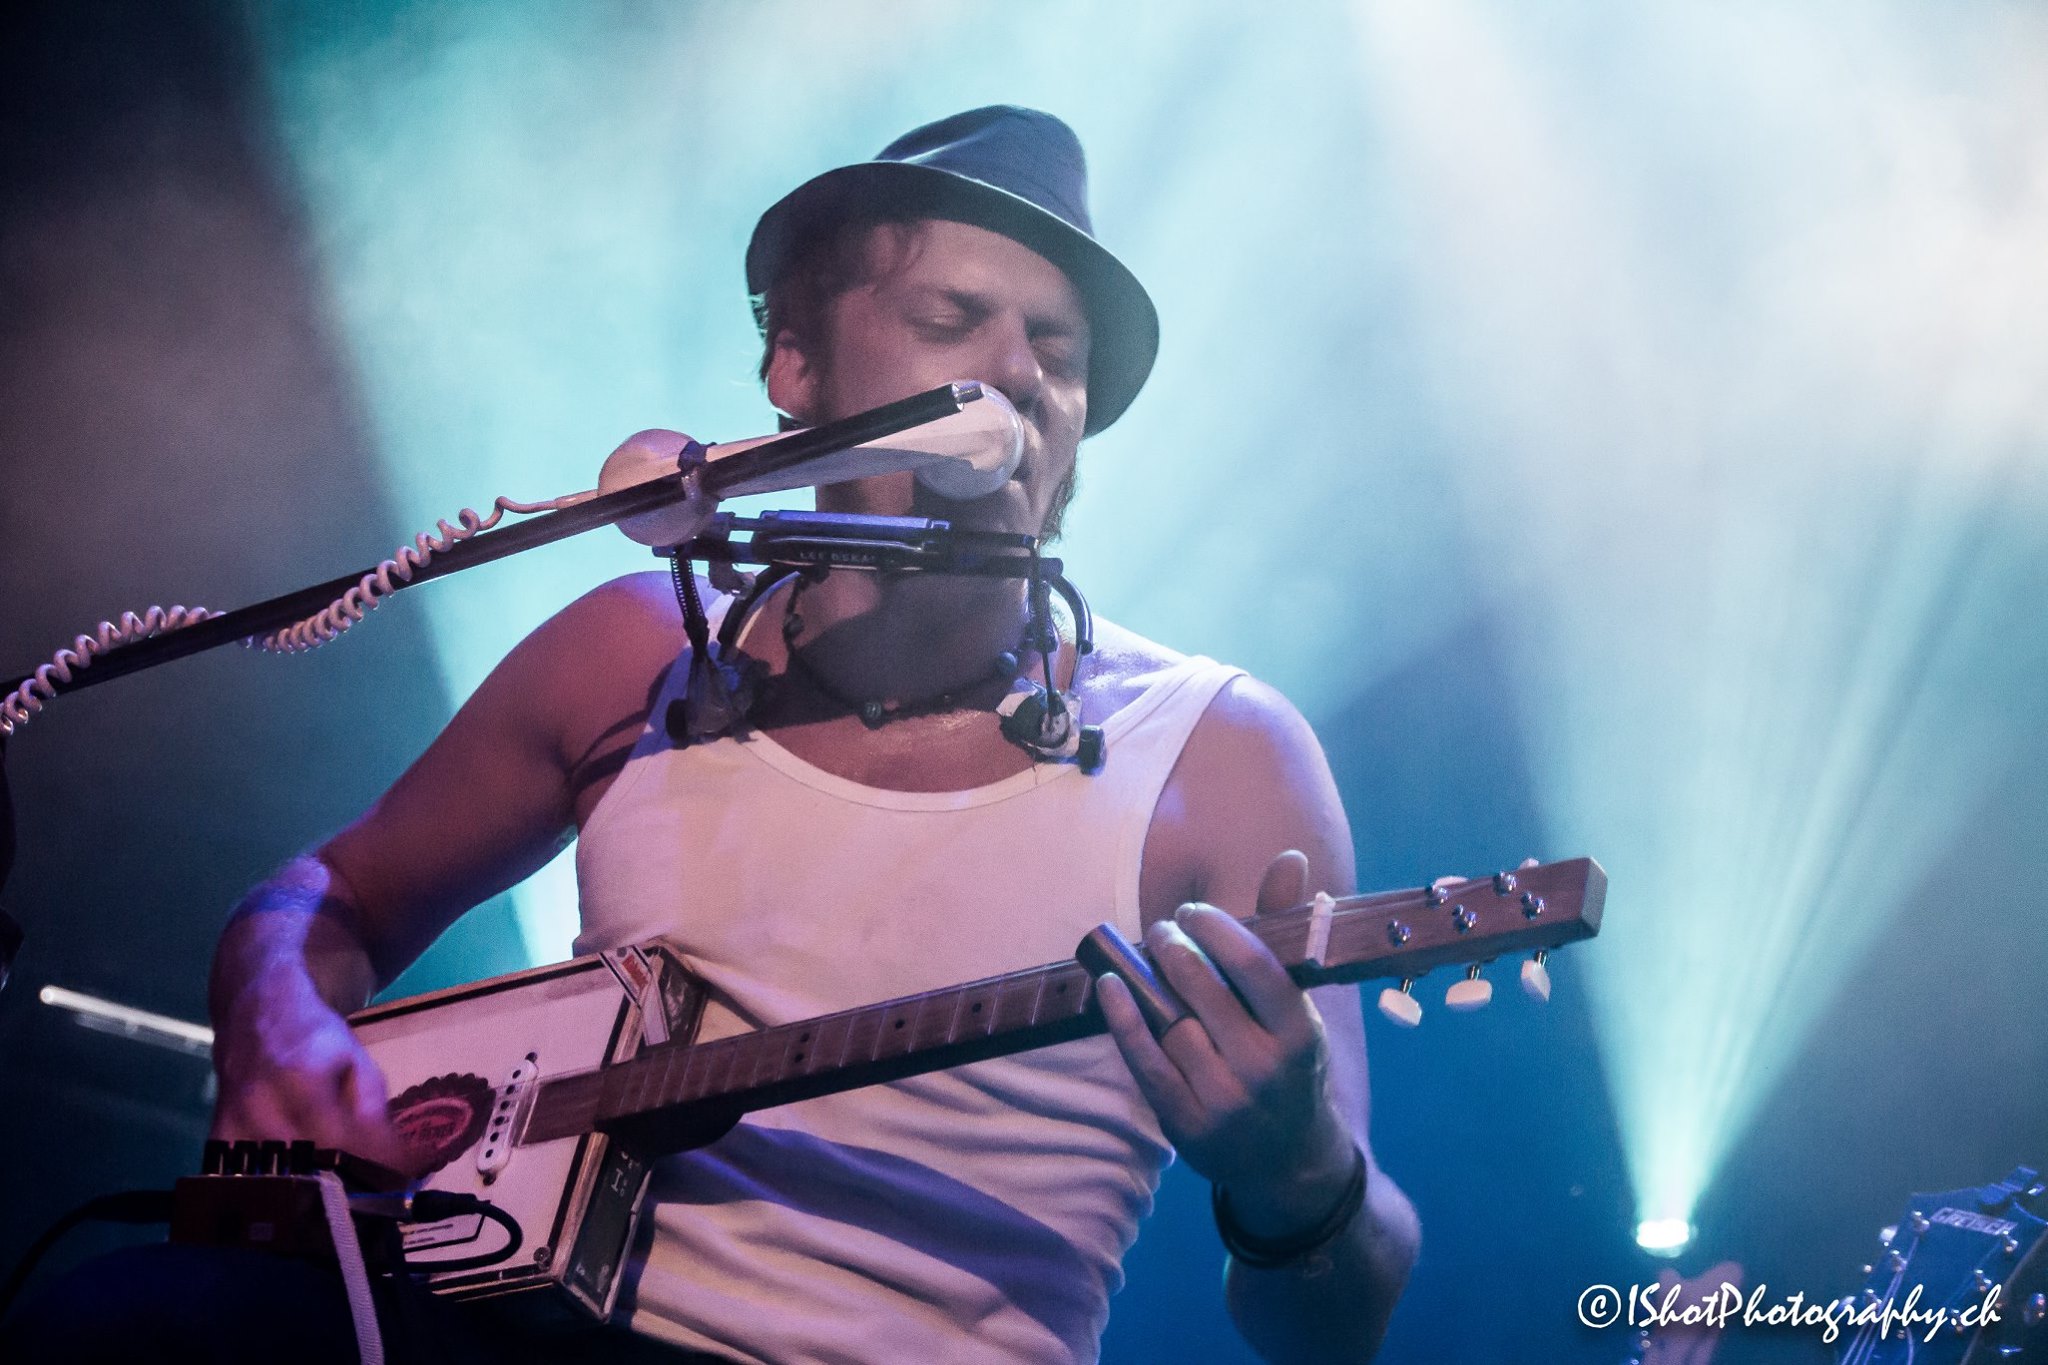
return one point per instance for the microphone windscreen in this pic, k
(963, 455)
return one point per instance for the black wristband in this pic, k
(1278, 1253)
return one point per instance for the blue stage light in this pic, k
(1664, 1236)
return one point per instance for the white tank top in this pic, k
(975, 1214)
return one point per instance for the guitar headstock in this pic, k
(1949, 1255)
(1401, 935)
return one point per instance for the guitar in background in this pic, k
(1949, 1255)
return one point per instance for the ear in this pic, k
(794, 380)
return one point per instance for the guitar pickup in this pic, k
(508, 1118)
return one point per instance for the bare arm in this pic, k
(1264, 1091)
(488, 803)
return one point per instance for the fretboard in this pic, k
(1390, 934)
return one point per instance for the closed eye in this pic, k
(1061, 355)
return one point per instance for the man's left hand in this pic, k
(1240, 1085)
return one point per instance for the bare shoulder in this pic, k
(1247, 715)
(637, 609)
(628, 620)
(1251, 724)
(1252, 782)
(595, 663)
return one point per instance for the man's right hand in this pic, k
(290, 1067)
(288, 1064)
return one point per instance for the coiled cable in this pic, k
(20, 705)
(380, 582)
(26, 700)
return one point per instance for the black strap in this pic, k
(1296, 1249)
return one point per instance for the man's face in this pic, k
(946, 301)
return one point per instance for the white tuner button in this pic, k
(1536, 979)
(1401, 1007)
(1471, 993)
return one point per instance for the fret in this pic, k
(903, 1027)
(644, 1075)
(750, 1045)
(932, 1024)
(894, 1038)
(910, 1043)
(646, 1081)
(683, 1090)
(959, 995)
(1038, 997)
(760, 1048)
(846, 1038)
(805, 1054)
(722, 1067)
(659, 1063)
(1071, 991)
(1011, 1009)
(767, 1060)
(741, 1065)
(934, 1027)
(782, 1063)
(980, 1018)
(866, 1033)
(842, 1026)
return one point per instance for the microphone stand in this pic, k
(260, 618)
(715, 478)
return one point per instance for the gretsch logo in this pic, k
(441, 1118)
(1974, 1222)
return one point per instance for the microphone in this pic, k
(963, 455)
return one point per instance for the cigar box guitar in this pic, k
(547, 1093)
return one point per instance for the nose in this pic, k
(1012, 365)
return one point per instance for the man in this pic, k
(815, 859)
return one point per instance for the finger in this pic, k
(1158, 1078)
(334, 1106)
(363, 1095)
(1231, 1041)
(272, 1111)
(313, 1103)
(1215, 1084)
(1279, 1006)
(1285, 884)
(372, 1134)
(241, 1116)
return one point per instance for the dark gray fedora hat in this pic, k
(1014, 171)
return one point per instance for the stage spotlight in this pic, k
(1664, 1236)
(1768, 651)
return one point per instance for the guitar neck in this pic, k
(1389, 935)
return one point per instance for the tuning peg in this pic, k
(1470, 994)
(1401, 1007)
(1536, 977)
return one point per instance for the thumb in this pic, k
(1285, 883)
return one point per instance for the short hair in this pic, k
(828, 258)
